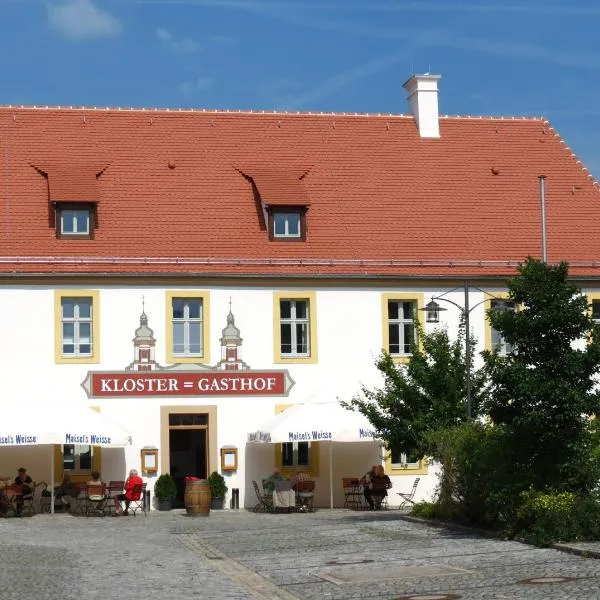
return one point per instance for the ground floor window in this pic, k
(77, 457)
(296, 454)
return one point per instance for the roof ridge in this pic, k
(574, 156)
(227, 111)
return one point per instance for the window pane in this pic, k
(394, 335)
(285, 309)
(178, 338)
(66, 221)
(68, 308)
(178, 306)
(82, 217)
(408, 336)
(303, 454)
(286, 338)
(68, 457)
(392, 310)
(287, 454)
(301, 309)
(85, 308)
(596, 309)
(85, 333)
(68, 332)
(194, 309)
(301, 338)
(408, 310)
(195, 345)
(293, 224)
(85, 457)
(279, 224)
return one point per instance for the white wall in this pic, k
(349, 339)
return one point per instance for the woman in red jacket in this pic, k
(133, 491)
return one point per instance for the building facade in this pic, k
(191, 273)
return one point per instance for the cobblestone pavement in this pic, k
(328, 555)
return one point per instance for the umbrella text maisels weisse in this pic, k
(309, 436)
(82, 438)
(366, 433)
(10, 440)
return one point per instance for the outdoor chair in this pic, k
(407, 498)
(95, 500)
(305, 493)
(353, 496)
(138, 491)
(379, 493)
(79, 505)
(113, 489)
(12, 491)
(265, 501)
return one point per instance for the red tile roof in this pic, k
(173, 197)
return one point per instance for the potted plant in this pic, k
(218, 489)
(165, 491)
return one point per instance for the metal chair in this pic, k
(265, 501)
(353, 496)
(407, 498)
(95, 500)
(114, 489)
(79, 506)
(305, 493)
(378, 492)
(139, 501)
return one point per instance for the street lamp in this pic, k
(433, 309)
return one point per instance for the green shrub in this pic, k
(545, 518)
(216, 481)
(165, 487)
(425, 510)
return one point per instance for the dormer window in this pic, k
(287, 224)
(75, 221)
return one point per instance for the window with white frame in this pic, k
(74, 221)
(294, 327)
(187, 323)
(295, 455)
(77, 457)
(499, 344)
(76, 326)
(401, 326)
(400, 459)
(287, 224)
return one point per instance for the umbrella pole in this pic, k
(330, 474)
(51, 479)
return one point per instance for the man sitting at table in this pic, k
(27, 488)
(131, 493)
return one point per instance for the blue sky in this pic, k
(496, 57)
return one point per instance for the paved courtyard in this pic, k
(328, 555)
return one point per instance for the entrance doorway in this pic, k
(188, 449)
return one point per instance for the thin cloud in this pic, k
(346, 6)
(200, 84)
(183, 45)
(81, 19)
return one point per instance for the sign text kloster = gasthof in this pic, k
(192, 384)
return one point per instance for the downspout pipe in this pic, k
(542, 179)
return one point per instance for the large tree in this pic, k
(544, 392)
(424, 395)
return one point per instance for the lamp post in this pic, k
(433, 309)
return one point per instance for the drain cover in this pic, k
(362, 561)
(544, 580)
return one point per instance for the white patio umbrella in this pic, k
(27, 424)
(315, 422)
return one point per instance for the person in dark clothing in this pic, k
(27, 488)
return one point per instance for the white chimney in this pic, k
(423, 103)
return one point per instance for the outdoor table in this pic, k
(283, 495)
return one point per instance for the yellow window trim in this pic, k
(278, 359)
(314, 454)
(488, 326)
(591, 296)
(201, 295)
(390, 469)
(416, 297)
(95, 297)
(77, 476)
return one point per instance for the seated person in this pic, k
(300, 477)
(380, 484)
(27, 489)
(131, 494)
(66, 490)
(366, 481)
(96, 482)
(269, 482)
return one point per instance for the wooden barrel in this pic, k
(197, 498)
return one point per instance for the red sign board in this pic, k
(187, 383)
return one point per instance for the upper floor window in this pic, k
(287, 224)
(499, 344)
(295, 333)
(77, 326)
(401, 326)
(187, 326)
(74, 220)
(596, 311)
